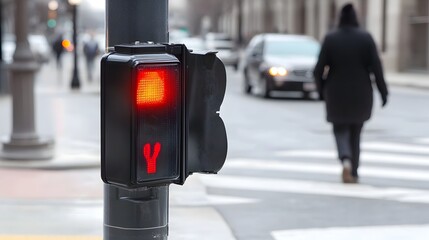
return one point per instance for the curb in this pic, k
(64, 162)
(192, 209)
(408, 80)
(409, 85)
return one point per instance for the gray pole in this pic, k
(140, 214)
(75, 82)
(136, 20)
(1, 33)
(24, 144)
(240, 22)
(3, 80)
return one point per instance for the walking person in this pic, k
(347, 60)
(90, 49)
(57, 47)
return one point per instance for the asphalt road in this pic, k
(282, 164)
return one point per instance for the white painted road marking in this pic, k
(331, 169)
(316, 188)
(396, 147)
(365, 157)
(424, 141)
(414, 232)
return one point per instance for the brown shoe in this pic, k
(347, 176)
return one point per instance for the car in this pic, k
(225, 47)
(280, 62)
(38, 43)
(8, 47)
(40, 47)
(193, 43)
(176, 35)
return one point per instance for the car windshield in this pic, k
(223, 45)
(193, 43)
(292, 48)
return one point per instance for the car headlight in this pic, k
(278, 71)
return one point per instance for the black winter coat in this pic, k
(350, 57)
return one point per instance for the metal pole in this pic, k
(2, 68)
(140, 214)
(1, 33)
(427, 41)
(240, 22)
(136, 20)
(24, 144)
(75, 82)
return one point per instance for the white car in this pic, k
(38, 43)
(225, 46)
(194, 43)
(8, 47)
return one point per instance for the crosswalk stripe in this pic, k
(424, 141)
(396, 147)
(415, 232)
(365, 156)
(315, 188)
(331, 169)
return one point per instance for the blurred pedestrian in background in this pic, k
(90, 49)
(57, 47)
(347, 60)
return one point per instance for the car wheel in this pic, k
(247, 86)
(264, 87)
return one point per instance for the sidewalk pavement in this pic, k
(37, 203)
(67, 191)
(415, 80)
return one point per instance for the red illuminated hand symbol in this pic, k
(151, 158)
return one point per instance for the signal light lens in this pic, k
(151, 87)
(157, 90)
(151, 158)
(156, 85)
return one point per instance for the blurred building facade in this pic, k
(399, 27)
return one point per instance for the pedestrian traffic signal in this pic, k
(142, 115)
(160, 115)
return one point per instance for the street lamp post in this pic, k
(240, 22)
(75, 82)
(1, 32)
(24, 143)
(3, 84)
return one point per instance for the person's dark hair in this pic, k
(348, 17)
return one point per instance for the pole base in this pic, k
(34, 149)
(135, 214)
(160, 233)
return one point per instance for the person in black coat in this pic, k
(348, 62)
